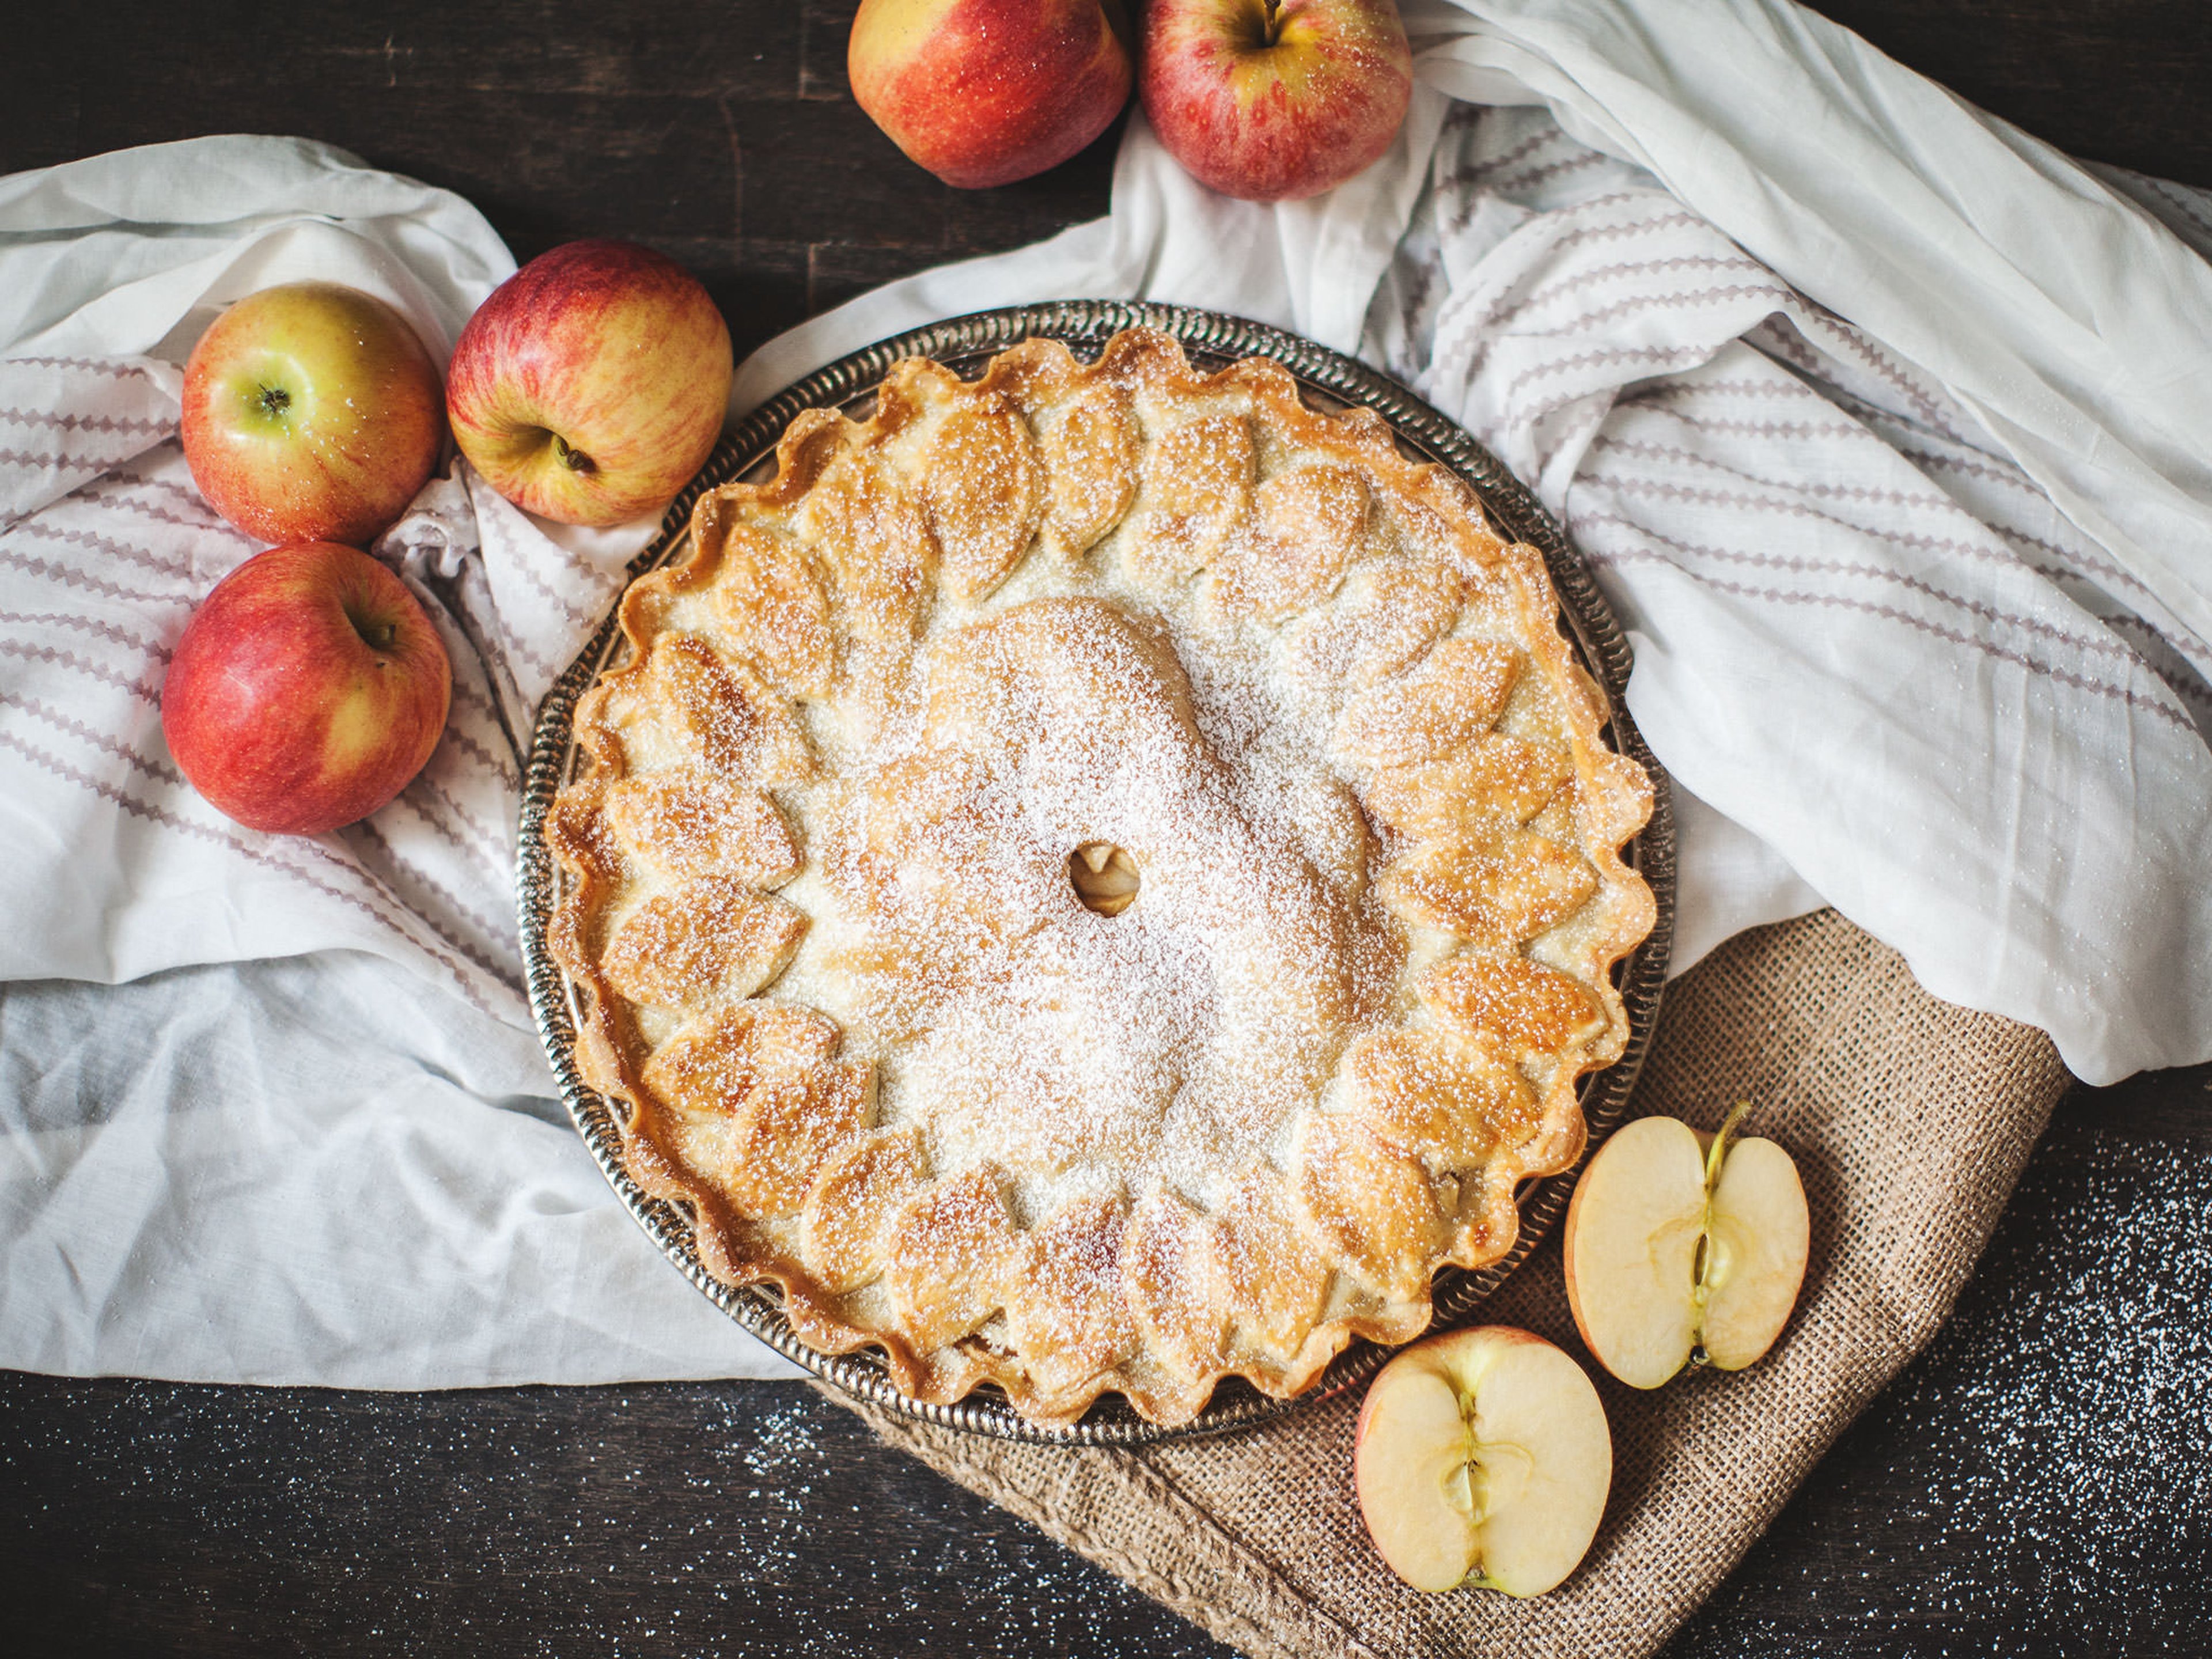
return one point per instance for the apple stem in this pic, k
(574, 459)
(1720, 1138)
(1275, 20)
(377, 637)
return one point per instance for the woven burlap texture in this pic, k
(1910, 1120)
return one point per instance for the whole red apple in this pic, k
(312, 413)
(1273, 100)
(307, 690)
(591, 385)
(985, 92)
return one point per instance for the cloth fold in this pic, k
(1870, 412)
(2068, 320)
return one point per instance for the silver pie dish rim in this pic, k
(1211, 338)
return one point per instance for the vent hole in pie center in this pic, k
(1105, 877)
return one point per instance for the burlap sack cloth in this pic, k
(1910, 1120)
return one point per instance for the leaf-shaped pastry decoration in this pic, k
(792, 1124)
(1370, 1202)
(775, 611)
(953, 1250)
(714, 1064)
(845, 1229)
(1513, 887)
(1494, 782)
(986, 492)
(1070, 1309)
(737, 723)
(1453, 697)
(1446, 1104)
(1175, 1285)
(1442, 517)
(697, 823)
(874, 538)
(708, 939)
(1274, 1278)
(1090, 457)
(1198, 489)
(1306, 523)
(1524, 1007)
(1388, 613)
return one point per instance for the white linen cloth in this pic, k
(1873, 415)
(274, 1110)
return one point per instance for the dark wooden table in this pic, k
(2038, 1481)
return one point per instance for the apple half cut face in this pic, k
(1684, 1247)
(1483, 1459)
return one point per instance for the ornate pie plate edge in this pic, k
(1085, 324)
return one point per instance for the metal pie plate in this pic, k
(1329, 381)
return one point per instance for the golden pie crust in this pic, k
(1097, 877)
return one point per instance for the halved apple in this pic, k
(1684, 1247)
(1482, 1458)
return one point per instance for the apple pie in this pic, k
(1097, 877)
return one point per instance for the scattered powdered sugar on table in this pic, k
(2052, 1447)
(713, 1519)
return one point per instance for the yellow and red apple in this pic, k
(1482, 1458)
(592, 383)
(1272, 100)
(312, 413)
(985, 92)
(308, 688)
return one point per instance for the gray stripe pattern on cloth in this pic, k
(1862, 632)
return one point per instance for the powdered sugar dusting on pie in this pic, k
(1100, 877)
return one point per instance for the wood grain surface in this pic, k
(2036, 1482)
